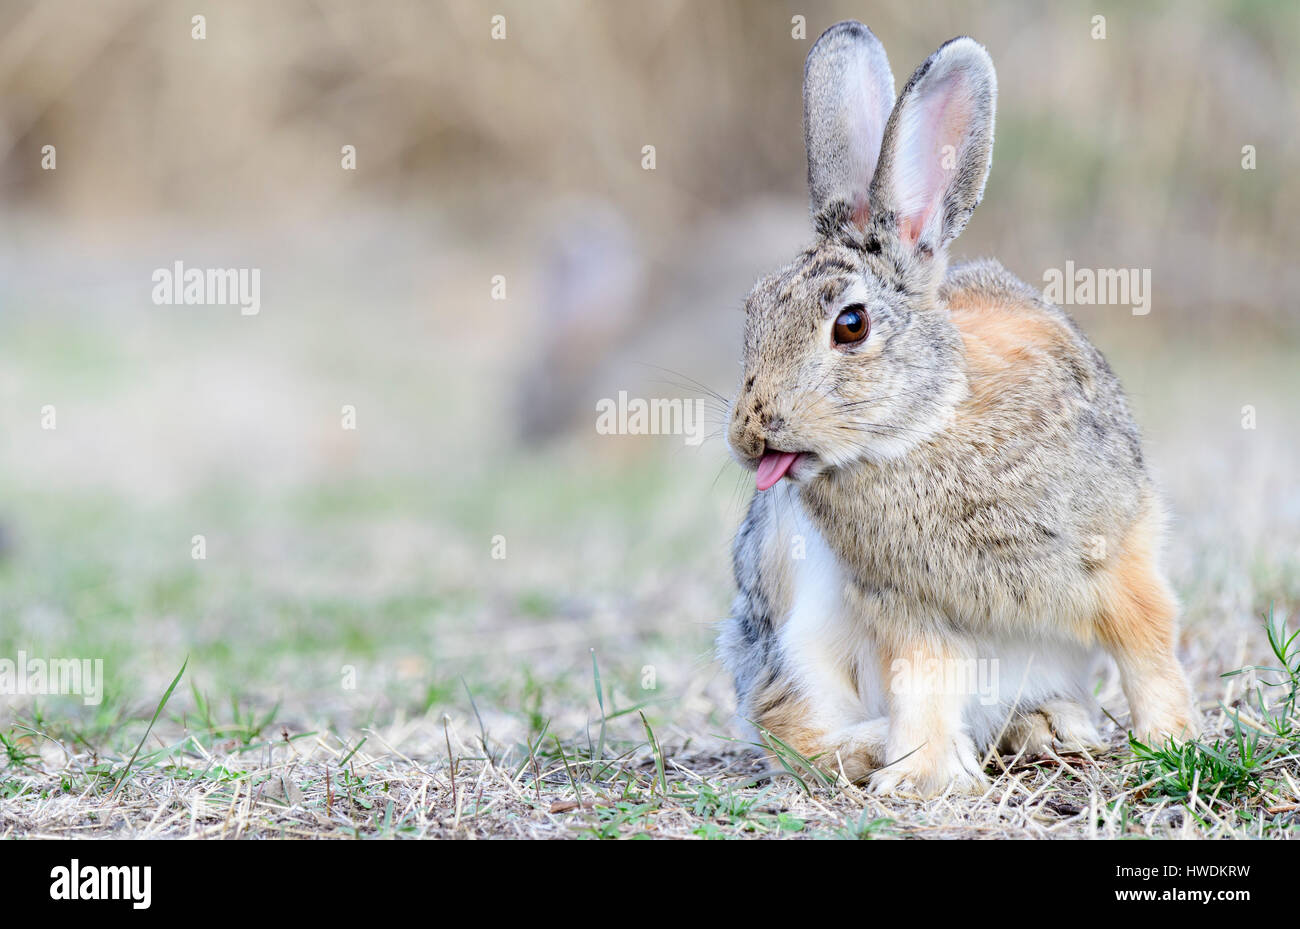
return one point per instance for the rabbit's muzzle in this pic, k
(754, 427)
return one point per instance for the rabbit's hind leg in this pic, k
(1137, 626)
(1026, 734)
(1057, 725)
(1071, 726)
(835, 743)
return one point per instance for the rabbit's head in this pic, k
(849, 354)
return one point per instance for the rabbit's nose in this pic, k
(746, 435)
(748, 442)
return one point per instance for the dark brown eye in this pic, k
(851, 326)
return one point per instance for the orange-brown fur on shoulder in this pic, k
(1007, 339)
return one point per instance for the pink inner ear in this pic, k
(907, 231)
(938, 120)
(861, 213)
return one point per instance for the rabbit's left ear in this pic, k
(938, 146)
(848, 91)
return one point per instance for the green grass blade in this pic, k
(156, 713)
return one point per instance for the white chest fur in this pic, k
(829, 653)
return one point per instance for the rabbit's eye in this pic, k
(851, 326)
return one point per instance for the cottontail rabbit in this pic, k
(953, 517)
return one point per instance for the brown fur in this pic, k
(1136, 625)
(1138, 606)
(786, 715)
(1005, 343)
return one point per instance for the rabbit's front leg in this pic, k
(929, 749)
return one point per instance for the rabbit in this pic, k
(947, 472)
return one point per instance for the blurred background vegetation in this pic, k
(522, 157)
(1119, 152)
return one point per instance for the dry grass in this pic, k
(397, 782)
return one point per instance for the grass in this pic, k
(235, 772)
(1251, 774)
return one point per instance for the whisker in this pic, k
(688, 382)
(879, 428)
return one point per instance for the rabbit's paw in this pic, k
(1058, 725)
(937, 767)
(1072, 727)
(1164, 709)
(858, 749)
(1180, 727)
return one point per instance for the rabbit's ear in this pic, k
(939, 145)
(848, 91)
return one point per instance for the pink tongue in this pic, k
(773, 467)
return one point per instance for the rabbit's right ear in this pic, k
(848, 92)
(938, 146)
